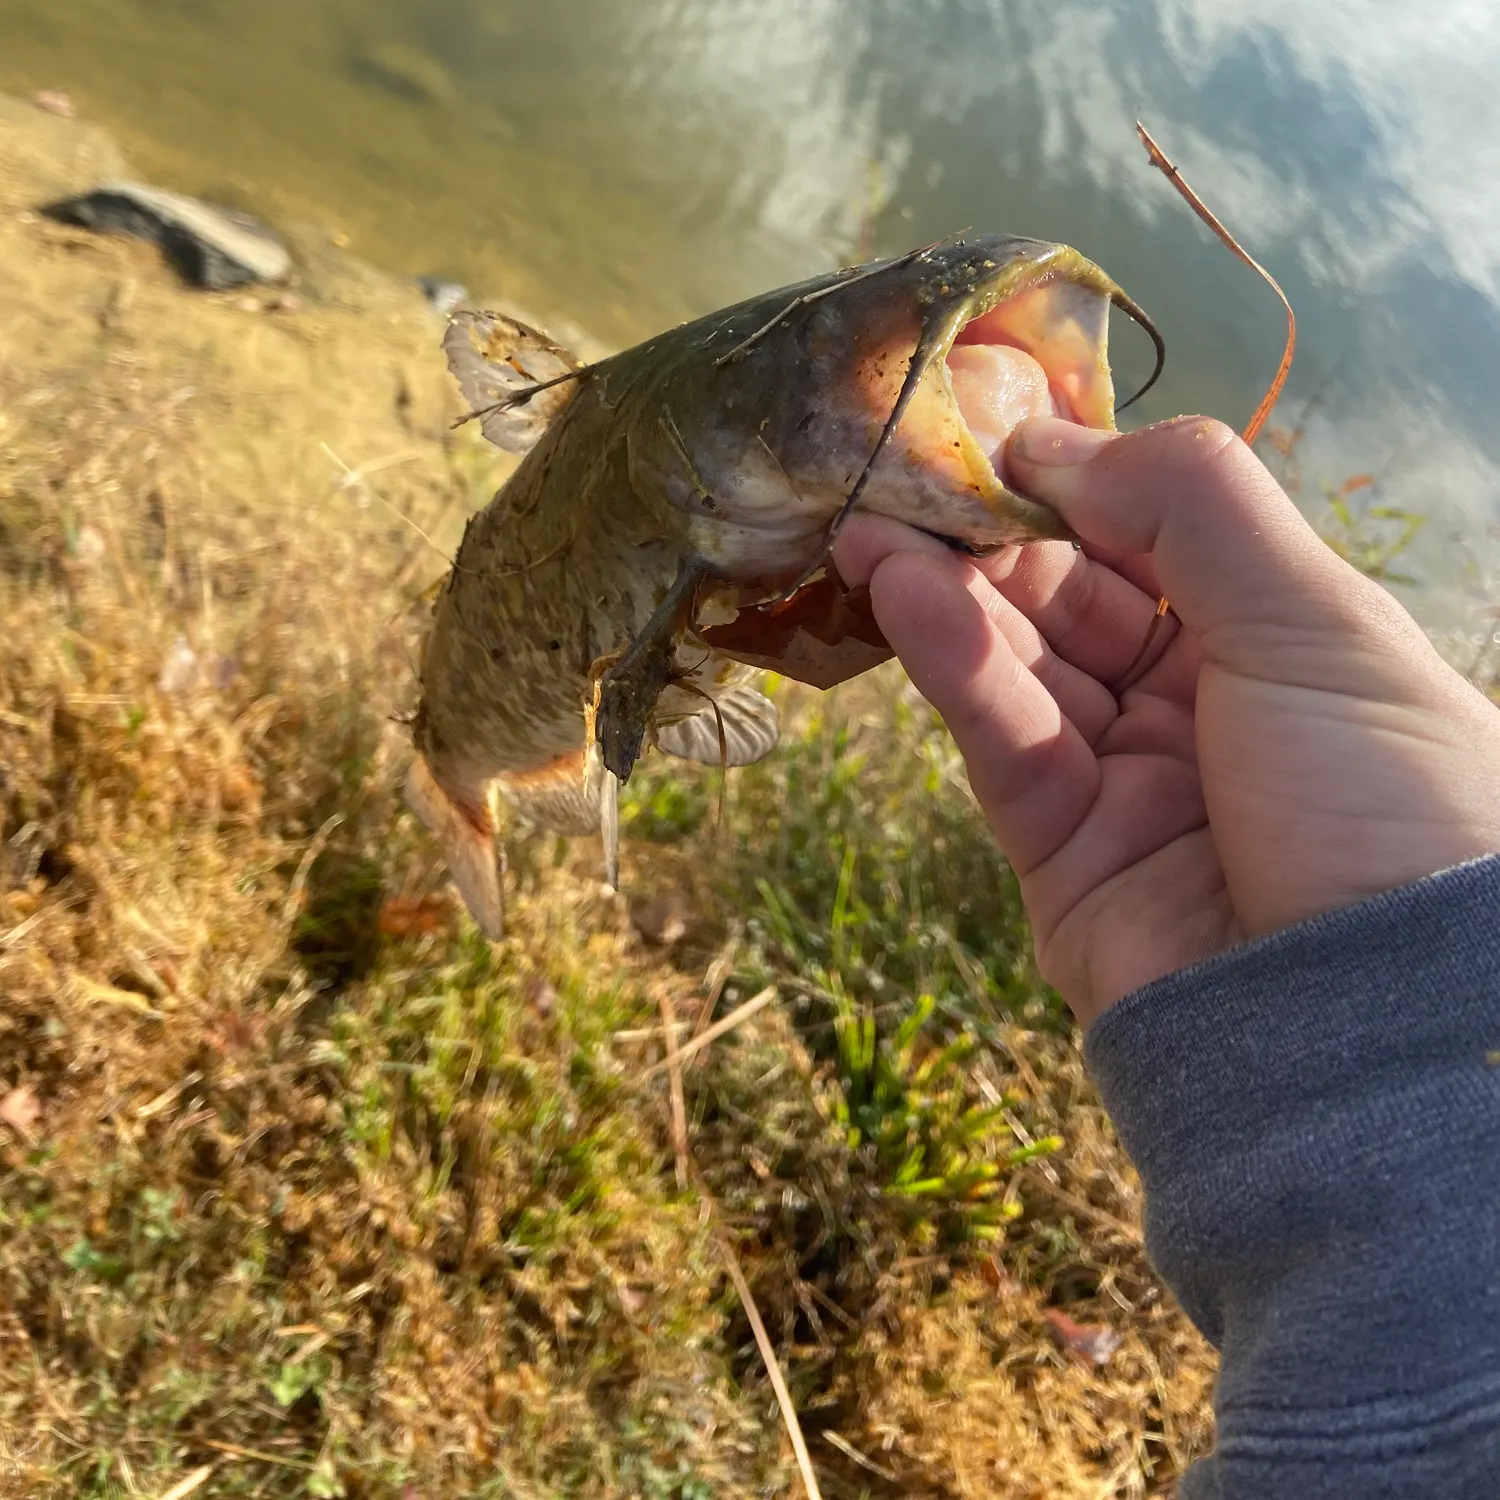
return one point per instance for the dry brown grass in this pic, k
(349, 1206)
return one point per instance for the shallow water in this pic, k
(624, 166)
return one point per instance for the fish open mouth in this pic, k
(1040, 352)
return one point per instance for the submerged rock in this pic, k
(405, 73)
(212, 247)
(442, 294)
(55, 102)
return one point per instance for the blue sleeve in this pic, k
(1316, 1120)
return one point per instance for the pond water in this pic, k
(622, 166)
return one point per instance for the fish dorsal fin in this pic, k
(750, 723)
(494, 358)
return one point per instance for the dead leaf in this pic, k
(20, 1110)
(403, 917)
(998, 1277)
(664, 920)
(1091, 1343)
(1356, 482)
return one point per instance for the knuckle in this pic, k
(1191, 442)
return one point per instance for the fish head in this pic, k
(896, 387)
(942, 358)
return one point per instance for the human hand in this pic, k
(1299, 745)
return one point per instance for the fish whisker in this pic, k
(522, 396)
(845, 280)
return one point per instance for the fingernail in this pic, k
(1056, 444)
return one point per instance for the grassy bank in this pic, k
(302, 1180)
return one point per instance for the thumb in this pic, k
(1231, 551)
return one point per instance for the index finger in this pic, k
(1030, 766)
(1087, 610)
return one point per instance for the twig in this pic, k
(850, 1451)
(674, 1058)
(734, 1018)
(1129, 1232)
(293, 906)
(1273, 391)
(1158, 158)
(679, 1099)
(311, 1347)
(645, 1033)
(258, 1455)
(773, 1369)
(726, 1248)
(714, 980)
(188, 1483)
(167, 1098)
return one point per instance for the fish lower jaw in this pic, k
(766, 554)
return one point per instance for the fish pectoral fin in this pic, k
(515, 379)
(464, 829)
(751, 729)
(558, 796)
(628, 689)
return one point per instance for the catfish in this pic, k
(668, 529)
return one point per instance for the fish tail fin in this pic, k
(466, 831)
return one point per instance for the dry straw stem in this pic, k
(256, 1455)
(298, 888)
(773, 1369)
(679, 1100)
(683, 1154)
(188, 1483)
(736, 1017)
(682, 1151)
(1159, 160)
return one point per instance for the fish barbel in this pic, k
(668, 528)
